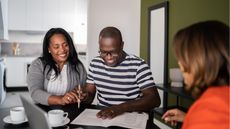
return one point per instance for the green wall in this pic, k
(182, 13)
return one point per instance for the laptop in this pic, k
(36, 116)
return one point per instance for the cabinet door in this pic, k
(17, 14)
(67, 19)
(82, 58)
(16, 71)
(34, 14)
(51, 14)
(41, 15)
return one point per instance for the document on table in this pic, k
(133, 120)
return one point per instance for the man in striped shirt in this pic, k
(123, 82)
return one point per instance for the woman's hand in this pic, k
(69, 98)
(110, 112)
(173, 116)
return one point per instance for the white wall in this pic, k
(3, 19)
(123, 14)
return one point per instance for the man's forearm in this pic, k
(139, 105)
(89, 98)
(149, 100)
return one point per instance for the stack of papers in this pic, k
(133, 120)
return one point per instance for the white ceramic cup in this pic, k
(17, 114)
(57, 116)
(176, 77)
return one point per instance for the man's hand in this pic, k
(110, 112)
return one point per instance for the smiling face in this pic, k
(110, 50)
(59, 49)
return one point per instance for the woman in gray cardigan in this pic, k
(53, 77)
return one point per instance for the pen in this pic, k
(79, 101)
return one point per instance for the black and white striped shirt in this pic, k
(121, 83)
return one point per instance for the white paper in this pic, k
(131, 120)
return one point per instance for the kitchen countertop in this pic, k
(15, 56)
(24, 55)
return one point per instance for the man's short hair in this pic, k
(111, 32)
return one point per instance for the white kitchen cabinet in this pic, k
(34, 13)
(83, 59)
(16, 70)
(17, 14)
(67, 16)
(59, 13)
(41, 15)
(51, 14)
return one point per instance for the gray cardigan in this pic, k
(37, 80)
